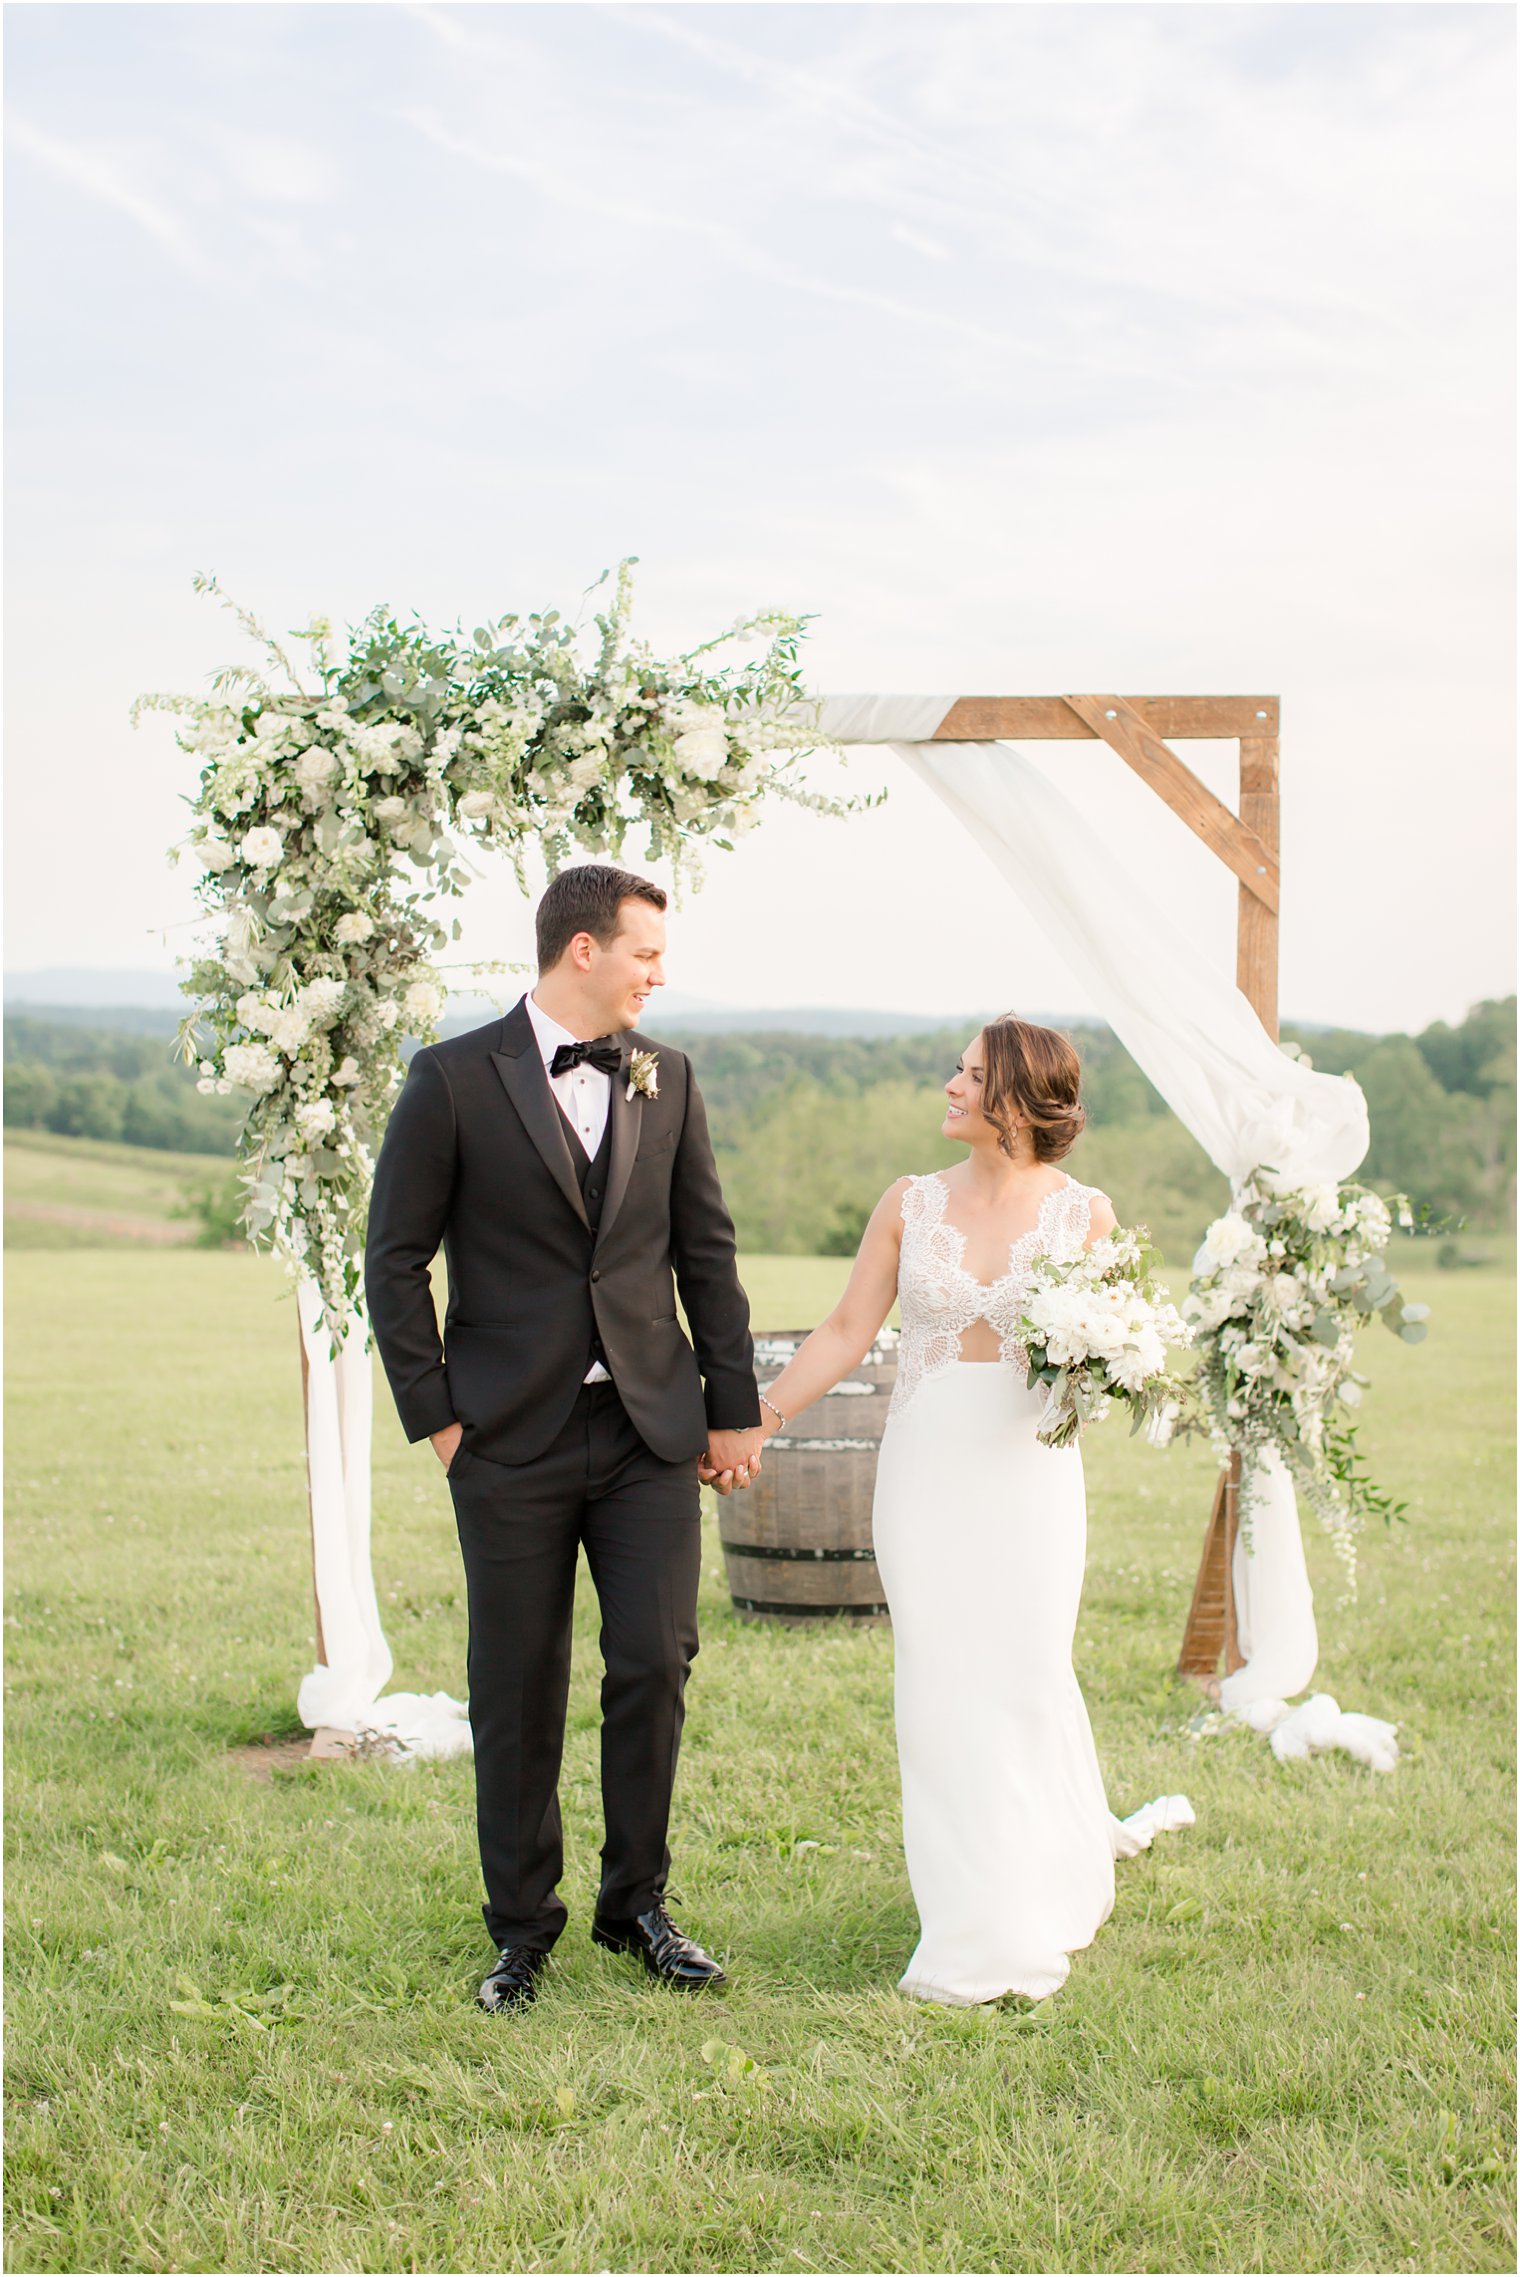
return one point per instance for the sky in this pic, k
(1028, 348)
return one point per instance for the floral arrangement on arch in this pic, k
(333, 813)
(1282, 1283)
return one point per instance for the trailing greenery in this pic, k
(240, 2031)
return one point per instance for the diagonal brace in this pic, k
(1156, 763)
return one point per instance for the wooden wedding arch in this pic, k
(1137, 727)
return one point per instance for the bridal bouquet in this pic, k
(1098, 1329)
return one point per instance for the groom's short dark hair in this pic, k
(587, 900)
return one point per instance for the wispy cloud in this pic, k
(580, 196)
(107, 180)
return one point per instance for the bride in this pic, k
(980, 1533)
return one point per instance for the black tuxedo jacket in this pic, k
(477, 1157)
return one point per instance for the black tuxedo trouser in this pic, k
(520, 1528)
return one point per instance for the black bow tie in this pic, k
(602, 1053)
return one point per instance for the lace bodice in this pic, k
(939, 1299)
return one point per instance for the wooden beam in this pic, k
(986, 719)
(1211, 1623)
(1256, 924)
(1137, 743)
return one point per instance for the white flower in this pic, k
(389, 809)
(315, 768)
(348, 1072)
(206, 1083)
(585, 771)
(423, 1001)
(214, 854)
(388, 1013)
(316, 1118)
(290, 1029)
(1228, 1240)
(261, 848)
(252, 1067)
(353, 926)
(701, 739)
(322, 998)
(1321, 1208)
(1374, 1219)
(477, 804)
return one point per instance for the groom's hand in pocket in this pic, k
(732, 1459)
(446, 1444)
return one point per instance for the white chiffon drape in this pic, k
(345, 1691)
(1191, 1032)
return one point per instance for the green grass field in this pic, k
(240, 2024)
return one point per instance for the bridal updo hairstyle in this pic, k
(1036, 1073)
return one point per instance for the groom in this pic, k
(563, 1162)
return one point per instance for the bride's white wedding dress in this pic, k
(981, 1537)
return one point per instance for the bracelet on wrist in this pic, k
(775, 1410)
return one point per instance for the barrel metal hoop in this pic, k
(823, 1446)
(791, 1553)
(807, 1612)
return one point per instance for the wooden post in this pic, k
(1256, 925)
(1211, 1622)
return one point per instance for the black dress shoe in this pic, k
(668, 1955)
(513, 1983)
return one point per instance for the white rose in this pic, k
(476, 804)
(702, 751)
(315, 767)
(261, 847)
(422, 1001)
(1228, 1239)
(389, 810)
(214, 854)
(315, 1119)
(252, 1067)
(353, 926)
(348, 1073)
(388, 1013)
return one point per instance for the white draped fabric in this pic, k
(1192, 1033)
(343, 1691)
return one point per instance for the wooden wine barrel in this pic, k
(797, 1543)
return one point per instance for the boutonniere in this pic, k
(643, 1075)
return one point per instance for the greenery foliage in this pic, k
(334, 804)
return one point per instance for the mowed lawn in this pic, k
(240, 2024)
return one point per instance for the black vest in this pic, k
(591, 1173)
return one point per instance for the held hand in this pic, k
(732, 1459)
(446, 1444)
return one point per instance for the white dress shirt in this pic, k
(585, 1094)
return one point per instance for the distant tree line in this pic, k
(102, 1083)
(810, 1129)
